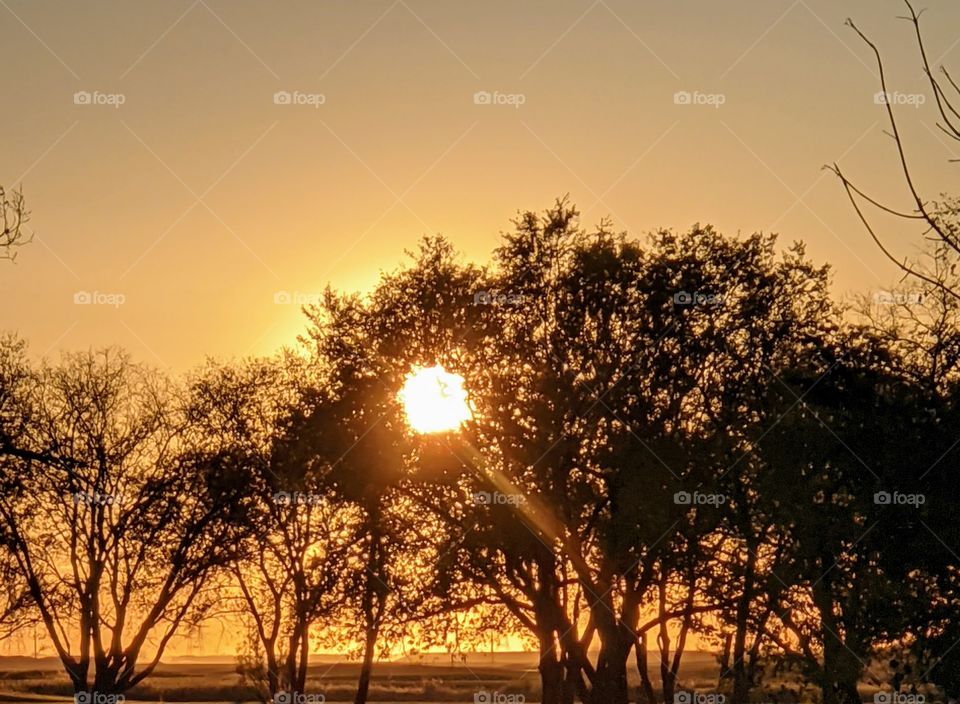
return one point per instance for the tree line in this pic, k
(677, 439)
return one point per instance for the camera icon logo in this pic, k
(282, 97)
(482, 97)
(98, 698)
(82, 298)
(82, 97)
(882, 498)
(282, 298)
(682, 97)
(683, 298)
(683, 498)
(898, 698)
(283, 498)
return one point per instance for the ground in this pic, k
(430, 678)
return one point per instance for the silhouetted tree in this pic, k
(594, 380)
(114, 525)
(937, 217)
(915, 338)
(15, 384)
(854, 433)
(360, 436)
(671, 437)
(15, 216)
(293, 568)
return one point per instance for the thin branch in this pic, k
(943, 103)
(902, 265)
(921, 206)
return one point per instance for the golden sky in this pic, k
(159, 165)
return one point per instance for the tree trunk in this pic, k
(725, 657)
(366, 669)
(299, 684)
(841, 669)
(576, 664)
(374, 597)
(572, 679)
(667, 678)
(741, 680)
(610, 686)
(271, 677)
(104, 682)
(646, 686)
(551, 671)
(847, 693)
(293, 649)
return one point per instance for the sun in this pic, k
(434, 400)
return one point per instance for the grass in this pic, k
(429, 678)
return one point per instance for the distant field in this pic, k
(428, 679)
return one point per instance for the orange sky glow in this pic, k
(199, 169)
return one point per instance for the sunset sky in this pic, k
(199, 198)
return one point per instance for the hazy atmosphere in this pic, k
(558, 352)
(198, 198)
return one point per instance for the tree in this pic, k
(918, 326)
(433, 312)
(866, 424)
(358, 435)
(292, 569)
(15, 216)
(938, 217)
(717, 319)
(114, 522)
(15, 382)
(593, 378)
(914, 337)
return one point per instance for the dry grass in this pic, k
(429, 678)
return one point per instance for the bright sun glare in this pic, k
(434, 400)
